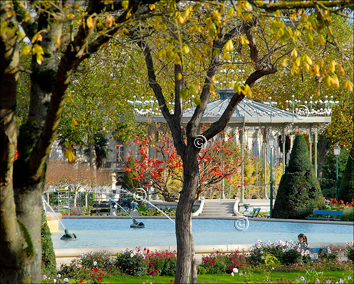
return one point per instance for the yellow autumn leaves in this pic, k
(320, 69)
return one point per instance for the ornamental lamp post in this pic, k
(336, 151)
(271, 142)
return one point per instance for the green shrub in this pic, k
(48, 254)
(161, 263)
(346, 189)
(327, 254)
(131, 261)
(99, 259)
(299, 191)
(286, 253)
(348, 214)
(219, 262)
(350, 252)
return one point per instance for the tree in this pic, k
(329, 173)
(163, 168)
(208, 33)
(48, 255)
(346, 190)
(299, 191)
(62, 34)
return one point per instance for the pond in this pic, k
(101, 233)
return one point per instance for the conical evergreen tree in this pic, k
(48, 255)
(299, 191)
(346, 190)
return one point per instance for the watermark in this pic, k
(200, 141)
(241, 223)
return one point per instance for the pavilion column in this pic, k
(316, 141)
(242, 138)
(310, 144)
(283, 139)
(222, 192)
(265, 196)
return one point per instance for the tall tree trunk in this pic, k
(323, 147)
(185, 244)
(29, 209)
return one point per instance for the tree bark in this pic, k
(185, 244)
(323, 147)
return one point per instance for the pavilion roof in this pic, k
(248, 112)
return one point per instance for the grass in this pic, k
(256, 277)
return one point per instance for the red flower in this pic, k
(81, 280)
(127, 170)
(95, 269)
(16, 155)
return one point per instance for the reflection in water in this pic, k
(97, 233)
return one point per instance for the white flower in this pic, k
(240, 274)
(59, 275)
(328, 281)
(341, 280)
(132, 254)
(44, 277)
(95, 263)
(232, 274)
(55, 280)
(318, 280)
(235, 270)
(349, 277)
(302, 278)
(66, 280)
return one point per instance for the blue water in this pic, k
(95, 233)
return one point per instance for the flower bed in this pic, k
(262, 258)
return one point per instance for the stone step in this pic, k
(217, 211)
(215, 215)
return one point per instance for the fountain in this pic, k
(54, 223)
(53, 218)
(143, 199)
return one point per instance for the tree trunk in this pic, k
(185, 244)
(323, 147)
(29, 209)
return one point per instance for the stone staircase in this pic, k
(218, 208)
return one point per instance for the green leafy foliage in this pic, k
(220, 262)
(48, 255)
(329, 172)
(131, 261)
(350, 251)
(299, 191)
(161, 263)
(346, 190)
(283, 252)
(101, 149)
(129, 174)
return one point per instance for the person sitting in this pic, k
(302, 240)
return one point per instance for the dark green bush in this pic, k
(219, 262)
(286, 253)
(131, 261)
(350, 252)
(161, 263)
(48, 255)
(99, 259)
(346, 189)
(299, 192)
